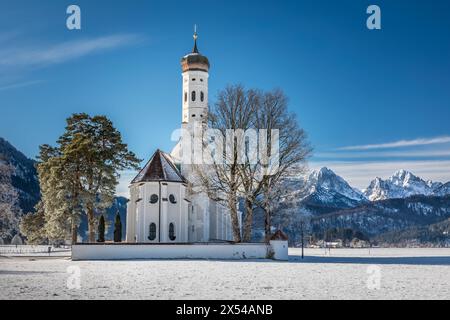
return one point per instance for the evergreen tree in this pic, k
(118, 229)
(55, 181)
(98, 146)
(17, 240)
(80, 175)
(101, 229)
(32, 226)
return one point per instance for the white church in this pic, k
(162, 208)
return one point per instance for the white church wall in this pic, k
(174, 212)
(131, 216)
(179, 251)
(150, 211)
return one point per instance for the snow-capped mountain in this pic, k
(401, 185)
(325, 186)
(23, 176)
(443, 190)
(386, 206)
(320, 192)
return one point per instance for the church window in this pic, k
(172, 236)
(154, 199)
(193, 96)
(194, 79)
(202, 96)
(172, 199)
(152, 232)
(185, 97)
(193, 116)
(201, 80)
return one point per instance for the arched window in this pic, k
(154, 198)
(193, 96)
(172, 199)
(202, 96)
(185, 97)
(152, 232)
(172, 236)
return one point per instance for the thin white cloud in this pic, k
(20, 85)
(359, 174)
(63, 52)
(399, 144)
(391, 154)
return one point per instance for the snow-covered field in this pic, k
(341, 274)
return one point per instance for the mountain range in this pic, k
(402, 184)
(393, 206)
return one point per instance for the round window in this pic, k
(172, 199)
(154, 199)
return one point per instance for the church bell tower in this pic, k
(195, 69)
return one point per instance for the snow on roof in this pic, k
(159, 168)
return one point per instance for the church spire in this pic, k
(195, 50)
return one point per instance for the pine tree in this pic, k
(101, 229)
(118, 229)
(80, 175)
(94, 142)
(32, 226)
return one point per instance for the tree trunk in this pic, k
(74, 231)
(248, 221)
(267, 212)
(91, 224)
(267, 224)
(232, 204)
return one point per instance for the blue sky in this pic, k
(372, 101)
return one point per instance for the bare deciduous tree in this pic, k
(233, 112)
(293, 149)
(253, 177)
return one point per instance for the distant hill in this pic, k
(437, 234)
(19, 188)
(24, 177)
(25, 182)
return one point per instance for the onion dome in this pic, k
(194, 61)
